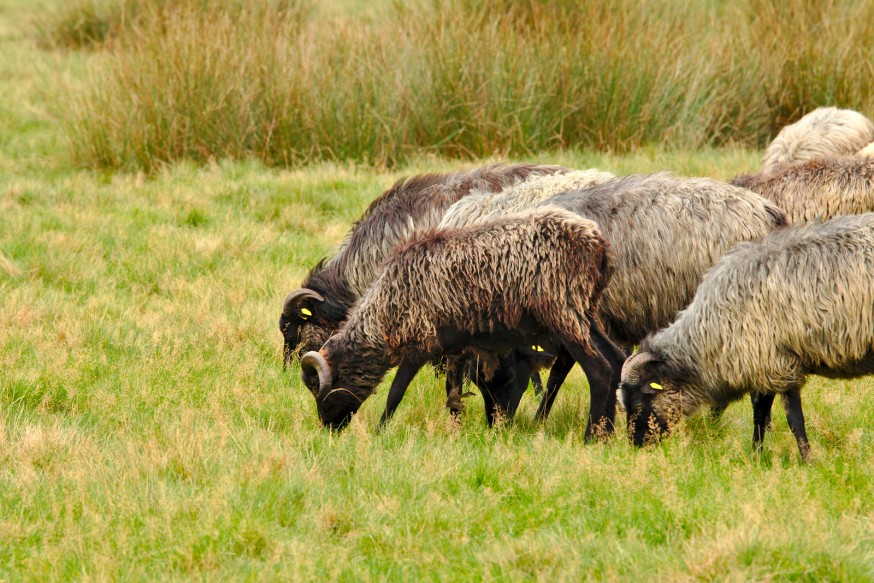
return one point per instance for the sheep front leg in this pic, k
(563, 364)
(762, 403)
(616, 358)
(406, 371)
(599, 375)
(795, 417)
(454, 384)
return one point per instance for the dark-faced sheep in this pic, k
(313, 312)
(519, 280)
(826, 131)
(767, 315)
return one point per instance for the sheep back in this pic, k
(801, 301)
(550, 265)
(665, 233)
(482, 206)
(825, 131)
(817, 189)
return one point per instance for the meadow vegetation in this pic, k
(148, 430)
(287, 83)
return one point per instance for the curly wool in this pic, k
(549, 264)
(411, 204)
(481, 206)
(826, 131)
(665, 233)
(769, 313)
(817, 189)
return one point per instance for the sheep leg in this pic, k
(563, 364)
(598, 373)
(454, 384)
(406, 371)
(795, 417)
(616, 358)
(762, 403)
(489, 402)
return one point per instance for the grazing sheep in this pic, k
(826, 131)
(483, 206)
(311, 313)
(519, 280)
(768, 314)
(817, 189)
(665, 232)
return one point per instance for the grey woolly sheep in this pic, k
(817, 189)
(768, 314)
(665, 232)
(483, 206)
(826, 131)
(519, 280)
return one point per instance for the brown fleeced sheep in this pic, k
(516, 281)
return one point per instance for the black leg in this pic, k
(406, 371)
(795, 417)
(563, 364)
(762, 403)
(616, 358)
(489, 402)
(598, 373)
(454, 384)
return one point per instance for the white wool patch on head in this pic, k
(825, 131)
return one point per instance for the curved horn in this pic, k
(294, 297)
(632, 367)
(314, 361)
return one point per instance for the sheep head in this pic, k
(301, 323)
(650, 396)
(339, 384)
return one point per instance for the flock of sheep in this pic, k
(495, 273)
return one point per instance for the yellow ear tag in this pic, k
(306, 313)
(536, 348)
(657, 386)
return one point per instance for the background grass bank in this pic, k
(288, 83)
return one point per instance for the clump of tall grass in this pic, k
(464, 78)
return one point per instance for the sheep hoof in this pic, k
(455, 404)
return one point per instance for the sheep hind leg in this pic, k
(762, 403)
(403, 377)
(563, 364)
(795, 417)
(599, 374)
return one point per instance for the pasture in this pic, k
(148, 430)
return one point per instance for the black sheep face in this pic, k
(302, 332)
(352, 382)
(653, 406)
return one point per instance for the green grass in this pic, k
(147, 429)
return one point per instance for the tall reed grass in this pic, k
(463, 78)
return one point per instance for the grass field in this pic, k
(148, 431)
